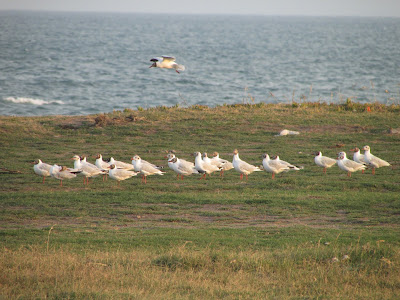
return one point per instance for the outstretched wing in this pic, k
(168, 58)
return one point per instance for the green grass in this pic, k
(219, 238)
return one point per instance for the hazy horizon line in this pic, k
(193, 14)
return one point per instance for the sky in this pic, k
(383, 8)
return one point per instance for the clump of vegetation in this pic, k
(114, 118)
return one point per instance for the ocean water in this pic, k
(84, 63)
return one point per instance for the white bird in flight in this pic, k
(166, 62)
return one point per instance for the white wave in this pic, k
(32, 101)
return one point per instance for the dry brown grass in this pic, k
(183, 272)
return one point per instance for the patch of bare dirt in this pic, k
(194, 216)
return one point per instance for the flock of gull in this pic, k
(202, 165)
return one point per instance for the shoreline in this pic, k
(349, 105)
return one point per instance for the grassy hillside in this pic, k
(303, 234)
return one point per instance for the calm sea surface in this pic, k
(83, 63)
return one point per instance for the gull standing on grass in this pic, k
(41, 169)
(166, 62)
(120, 174)
(120, 164)
(372, 160)
(219, 162)
(85, 162)
(273, 166)
(204, 167)
(291, 166)
(323, 161)
(62, 173)
(358, 157)
(180, 166)
(348, 165)
(214, 162)
(225, 165)
(145, 168)
(241, 166)
(88, 169)
(102, 165)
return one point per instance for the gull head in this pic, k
(136, 157)
(366, 148)
(170, 156)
